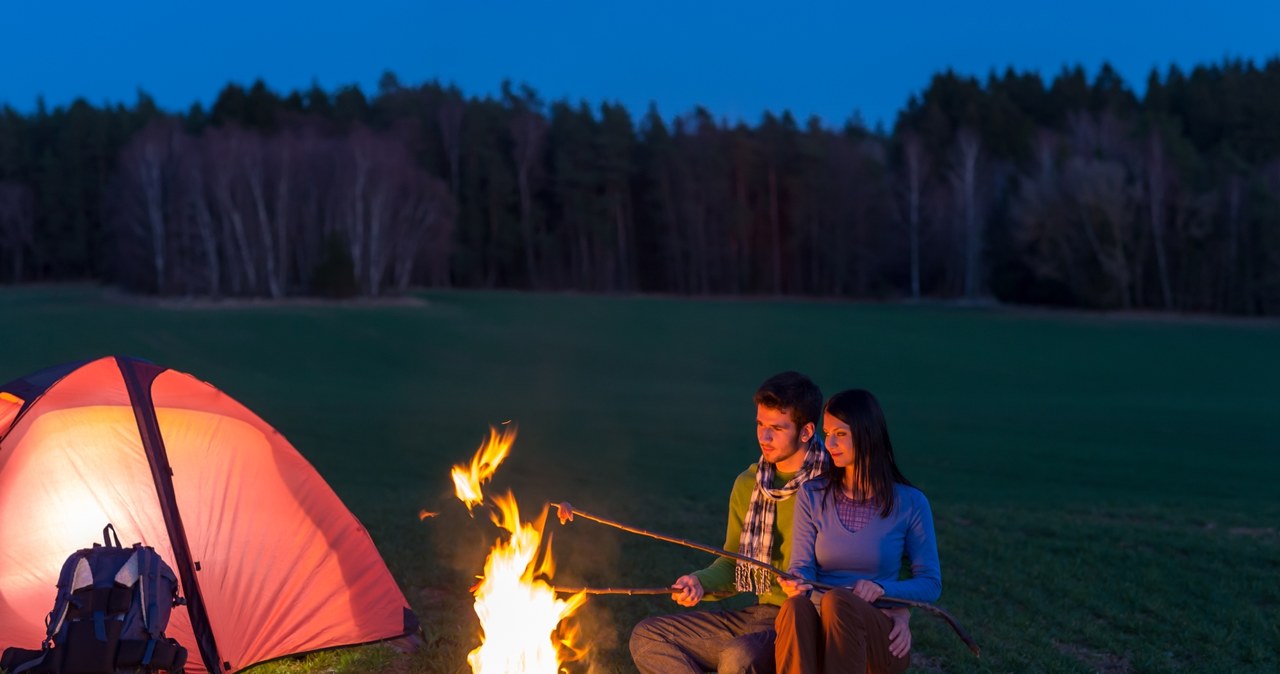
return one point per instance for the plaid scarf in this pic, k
(757, 527)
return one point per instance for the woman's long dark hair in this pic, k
(874, 469)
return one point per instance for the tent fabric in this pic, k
(278, 563)
(10, 405)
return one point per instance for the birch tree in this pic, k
(915, 167)
(1157, 189)
(964, 175)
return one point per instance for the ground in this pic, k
(1104, 486)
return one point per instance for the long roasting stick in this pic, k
(568, 512)
(629, 591)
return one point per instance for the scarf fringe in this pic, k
(750, 578)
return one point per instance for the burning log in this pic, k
(567, 512)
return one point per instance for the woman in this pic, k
(852, 528)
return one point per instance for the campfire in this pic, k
(520, 613)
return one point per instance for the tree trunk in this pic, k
(379, 210)
(528, 130)
(1238, 274)
(356, 225)
(1156, 191)
(231, 215)
(775, 230)
(449, 118)
(914, 151)
(205, 228)
(255, 174)
(969, 145)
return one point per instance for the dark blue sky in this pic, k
(736, 58)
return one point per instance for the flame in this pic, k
(519, 612)
(467, 481)
(424, 514)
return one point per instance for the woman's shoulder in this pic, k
(817, 485)
(912, 495)
(813, 492)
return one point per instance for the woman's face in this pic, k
(839, 440)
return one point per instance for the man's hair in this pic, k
(793, 393)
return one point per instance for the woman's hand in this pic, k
(900, 635)
(687, 590)
(868, 591)
(794, 587)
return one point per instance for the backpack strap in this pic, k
(75, 572)
(100, 625)
(31, 664)
(149, 653)
(108, 533)
(148, 588)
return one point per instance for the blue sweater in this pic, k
(823, 550)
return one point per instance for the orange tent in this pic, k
(269, 559)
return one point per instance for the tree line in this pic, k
(1073, 191)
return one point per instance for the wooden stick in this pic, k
(629, 591)
(567, 512)
(937, 613)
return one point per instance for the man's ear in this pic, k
(806, 431)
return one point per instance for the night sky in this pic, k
(736, 58)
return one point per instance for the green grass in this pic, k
(1105, 488)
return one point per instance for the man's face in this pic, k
(780, 440)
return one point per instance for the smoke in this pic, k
(597, 627)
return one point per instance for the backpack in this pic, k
(112, 607)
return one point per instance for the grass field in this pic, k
(1105, 488)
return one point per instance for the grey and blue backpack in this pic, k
(110, 614)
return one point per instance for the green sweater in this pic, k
(719, 577)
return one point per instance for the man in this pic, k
(788, 410)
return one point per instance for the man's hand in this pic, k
(868, 591)
(687, 590)
(900, 635)
(793, 587)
